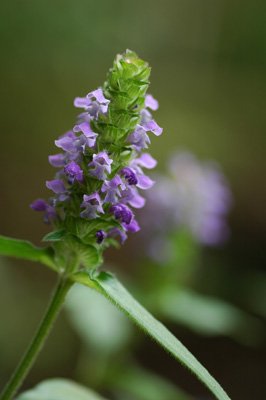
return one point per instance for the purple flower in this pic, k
(93, 204)
(42, 206)
(85, 128)
(73, 171)
(101, 101)
(58, 187)
(135, 173)
(131, 227)
(100, 235)
(130, 175)
(139, 137)
(111, 189)
(102, 164)
(122, 212)
(94, 103)
(75, 145)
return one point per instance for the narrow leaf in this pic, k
(27, 251)
(59, 389)
(110, 287)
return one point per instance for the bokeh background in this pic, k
(208, 61)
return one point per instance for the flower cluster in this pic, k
(101, 162)
(194, 196)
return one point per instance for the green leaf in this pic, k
(207, 315)
(59, 389)
(143, 384)
(27, 251)
(102, 327)
(54, 236)
(110, 287)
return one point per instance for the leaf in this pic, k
(207, 315)
(143, 384)
(110, 287)
(59, 389)
(54, 236)
(27, 251)
(102, 327)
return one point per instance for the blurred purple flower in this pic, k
(195, 197)
(47, 209)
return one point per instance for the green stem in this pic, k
(41, 335)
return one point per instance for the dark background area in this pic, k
(208, 61)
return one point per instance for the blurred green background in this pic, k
(208, 61)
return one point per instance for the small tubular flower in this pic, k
(93, 205)
(102, 164)
(122, 212)
(129, 175)
(111, 188)
(73, 172)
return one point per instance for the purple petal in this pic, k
(137, 201)
(132, 227)
(153, 127)
(66, 144)
(86, 129)
(151, 103)
(146, 161)
(39, 205)
(145, 182)
(58, 160)
(56, 185)
(82, 102)
(98, 94)
(116, 232)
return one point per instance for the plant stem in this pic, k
(41, 335)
